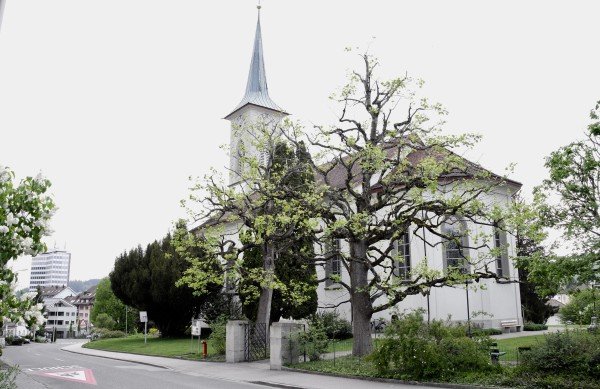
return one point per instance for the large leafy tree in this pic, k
(106, 304)
(572, 205)
(274, 205)
(145, 279)
(290, 268)
(389, 174)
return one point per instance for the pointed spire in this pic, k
(257, 92)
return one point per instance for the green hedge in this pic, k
(534, 327)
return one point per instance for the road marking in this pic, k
(37, 369)
(58, 359)
(84, 376)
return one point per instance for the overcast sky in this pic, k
(117, 102)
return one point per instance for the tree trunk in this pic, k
(360, 299)
(266, 293)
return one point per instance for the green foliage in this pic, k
(277, 220)
(104, 321)
(295, 275)
(153, 331)
(534, 327)
(574, 176)
(108, 306)
(314, 341)
(8, 376)
(335, 326)
(580, 308)
(570, 353)
(106, 333)
(217, 337)
(412, 349)
(145, 279)
(535, 289)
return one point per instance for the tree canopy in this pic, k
(389, 175)
(570, 199)
(109, 311)
(145, 279)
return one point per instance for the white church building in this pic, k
(495, 305)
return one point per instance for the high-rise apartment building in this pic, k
(50, 268)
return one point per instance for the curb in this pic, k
(117, 359)
(393, 381)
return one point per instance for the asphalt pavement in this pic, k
(65, 364)
(47, 366)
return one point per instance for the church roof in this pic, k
(257, 92)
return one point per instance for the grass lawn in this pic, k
(163, 347)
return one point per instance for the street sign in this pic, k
(143, 316)
(196, 331)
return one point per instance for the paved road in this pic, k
(46, 366)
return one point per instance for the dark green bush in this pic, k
(412, 349)
(568, 352)
(534, 327)
(334, 326)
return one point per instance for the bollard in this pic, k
(204, 349)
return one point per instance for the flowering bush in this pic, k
(25, 211)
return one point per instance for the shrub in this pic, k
(14, 340)
(104, 321)
(8, 375)
(534, 327)
(568, 352)
(486, 331)
(217, 337)
(335, 327)
(579, 310)
(314, 341)
(153, 332)
(108, 334)
(412, 349)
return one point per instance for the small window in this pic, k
(333, 265)
(402, 257)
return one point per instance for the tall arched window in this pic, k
(401, 254)
(455, 248)
(333, 265)
(500, 244)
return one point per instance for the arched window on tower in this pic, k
(239, 155)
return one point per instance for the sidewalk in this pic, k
(255, 372)
(510, 335)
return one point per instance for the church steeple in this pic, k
(257, 92)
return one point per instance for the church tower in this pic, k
(256, 108)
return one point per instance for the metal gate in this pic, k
(256, 346)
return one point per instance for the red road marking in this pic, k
(83, 376)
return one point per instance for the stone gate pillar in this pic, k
(284, 348)
(235, 341)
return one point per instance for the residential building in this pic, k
(61, 315)
(50, 268)
(84, 302)
(494, 303)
